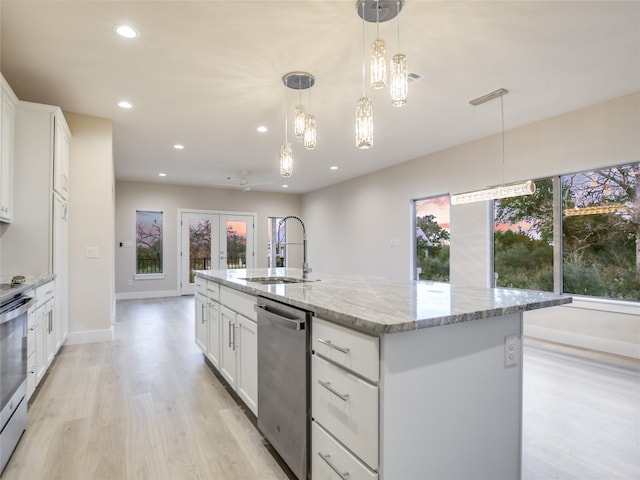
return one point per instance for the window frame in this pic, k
(154, 275)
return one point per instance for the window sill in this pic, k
(604, 305)
(149, 276)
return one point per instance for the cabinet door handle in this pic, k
(327, 458)
(234, 337)
(330, 344)
(342, 396)
(229, 333)
(202, 313)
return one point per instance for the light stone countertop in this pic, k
(378, 305)
(31, 282)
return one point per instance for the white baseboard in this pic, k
(626, 349)
(89, 336)
(139, 295)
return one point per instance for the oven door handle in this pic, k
(292, 323)
(15, 312)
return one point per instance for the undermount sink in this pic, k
(276, 280)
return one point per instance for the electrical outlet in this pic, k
(511, 350)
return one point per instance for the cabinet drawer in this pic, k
(213, 291)
(239, 302)
(353, 350)
(346, 406)
(45, 292)
(330, 460)
(201, 285)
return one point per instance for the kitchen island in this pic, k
(425, 379)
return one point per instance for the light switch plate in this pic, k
(93, 252)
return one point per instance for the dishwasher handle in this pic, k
(279, 319)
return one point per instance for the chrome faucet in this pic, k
(305, 266)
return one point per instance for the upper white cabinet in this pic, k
(8, 101)
(37, 240)
(61, 158)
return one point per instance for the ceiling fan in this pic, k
(242, 181)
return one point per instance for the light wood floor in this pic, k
(145, 406)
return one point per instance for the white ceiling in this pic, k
(207, 73)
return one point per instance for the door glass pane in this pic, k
(199, 246)
(236, 244)
(433, 228)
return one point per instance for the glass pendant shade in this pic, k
(300, 121)
(309, 138)
(378, 64)
(399, 80)
(364, 123)
(286, 160)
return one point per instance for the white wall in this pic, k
(91, 223)
(350, 225)
(132, 196)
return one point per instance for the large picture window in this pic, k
(148, 243)
(523, 240)
(601, 233)
(433, 222)
(599, 228)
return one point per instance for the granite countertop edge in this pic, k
(31, 282)
(364, 320)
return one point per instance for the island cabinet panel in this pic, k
(451, 407)
(355, 351)
(213, 352)
(331, 461)
(201, 325)
(347, 406)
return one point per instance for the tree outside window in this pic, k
(523, 240)
(601, 233)
(148, 242)
(432, 238)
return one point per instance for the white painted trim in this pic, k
(89, 336)
(139, 295)
(626, 349)
(604, 305)
(149, 276)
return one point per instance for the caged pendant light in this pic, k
(304, 122)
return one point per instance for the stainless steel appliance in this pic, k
(13, 373)
(283, 381)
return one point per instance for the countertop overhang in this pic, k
(380, 306)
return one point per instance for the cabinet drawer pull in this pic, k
(203, 313)
(329, 344)
(342, 396)
(327, 458)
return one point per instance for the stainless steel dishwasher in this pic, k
(283, 381)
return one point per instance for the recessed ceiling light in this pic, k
(124, 104)
(285, 186)
(162, 174)
(262, 129)
(177, 146)
(333, 167)
(125, 31)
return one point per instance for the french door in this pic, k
(214, 241)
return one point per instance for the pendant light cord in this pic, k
(286, 122)
(363, 46)
(398, 15)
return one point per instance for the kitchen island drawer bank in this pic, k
(408, 379)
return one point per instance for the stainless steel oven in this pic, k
(13, 374)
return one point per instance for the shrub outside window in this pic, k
(433, 227)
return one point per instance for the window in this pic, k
(432, 238)
(601, 233)
(148, 243)
(276, 235)
(523, 239)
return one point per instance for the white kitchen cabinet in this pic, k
(248, 362)
(61, 160)
(37, 242)
(228, 357)
(344, 401)
(213, 350)
(201, 325)
(8, 101)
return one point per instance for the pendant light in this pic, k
(501, 191)
(364, 109)
(378, 67)
(399, 82)
(309, 138)
(286, 154)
